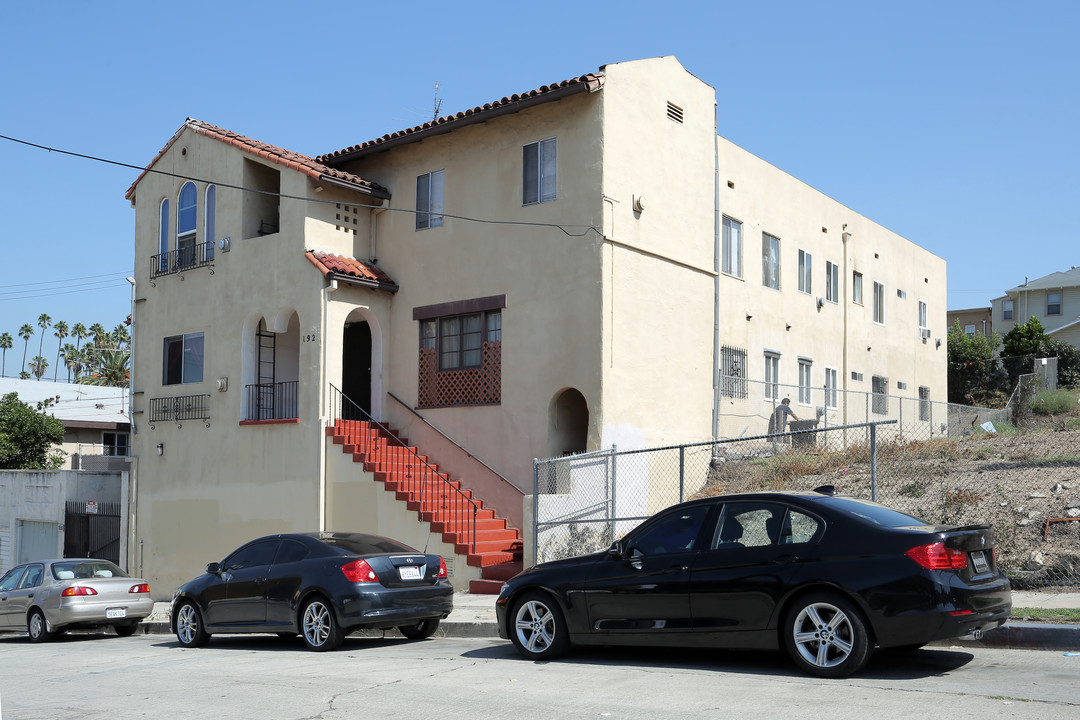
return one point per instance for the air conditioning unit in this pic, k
(924, 333)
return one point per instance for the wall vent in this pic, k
(674, 112)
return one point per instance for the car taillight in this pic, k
(442, 567)
(359, 571)
(78, 590)
(138, 589)
(938, 557)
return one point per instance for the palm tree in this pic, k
(25, 332)
(6, 343)
(61, 329)
(120, 336)
(75, 359)
(110, 367)
(43, 321)
(68, 354)
(78, 331)
(38, 366)
(97, 331)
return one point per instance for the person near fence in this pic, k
(779, 418)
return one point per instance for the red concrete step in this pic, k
(490, 558)
(502, 572)
(485, 587)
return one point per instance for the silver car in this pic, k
(47, 597)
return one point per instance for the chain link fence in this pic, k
(1026, 485)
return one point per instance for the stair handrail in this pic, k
(340, 401)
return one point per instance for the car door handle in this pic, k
(785, 559)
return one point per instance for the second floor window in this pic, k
(1053, 303)
(856, 288)
(1007, 310)
(429, 199)
(922, 316)
(770, 261)
(182, 359)
(458, 340)
(879, 303)
(732, 247)
(538, 163)
(832, 282)
(805, 387)
(805, 271)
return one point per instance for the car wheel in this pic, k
(321, 630)
(538, 629)
(37, 628)
(826, 636)
(421, 630)
(127, 629)
(190, 630)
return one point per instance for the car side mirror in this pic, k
(616, 550)
(213, 568)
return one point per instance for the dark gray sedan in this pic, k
(320, 585)
(47, 597)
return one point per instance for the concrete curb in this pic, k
(447, 628)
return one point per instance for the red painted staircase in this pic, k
(437, 499)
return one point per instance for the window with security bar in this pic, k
(733, 372)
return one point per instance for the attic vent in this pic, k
(674, 112)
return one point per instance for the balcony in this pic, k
(179, 409)
(272, 401)
(181, 259)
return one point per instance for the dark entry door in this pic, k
(356, 364)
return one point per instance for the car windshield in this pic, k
(81, 569)
(358, 544)
(873, 513)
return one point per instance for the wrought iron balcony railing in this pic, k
(180, 408)
(181, 259)
(273, 401)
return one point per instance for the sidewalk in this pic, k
(474, 617)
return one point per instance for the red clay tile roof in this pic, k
(546, 93)
(351, 270)
(295, 161)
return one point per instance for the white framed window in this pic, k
(806, 272)
(832, 282)
(733, 372)
(879, 395)
(1006, 309)
(856, 376)
(831, 388)
(879, 303)
(187, 212)
(210, 221)
(901, 385)
(923, 316)
(538, 177)
(924, 403)
(182, 359)
(969, 330)
(805, 381)
(732, 247)
(1053, 303)
(772, 375)
(429, 199)
(856, 288)
(770, 261)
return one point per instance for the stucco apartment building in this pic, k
(1054, 299)
(585, 264)
(973, 321)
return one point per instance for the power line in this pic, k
(116, 275)
(584, 229)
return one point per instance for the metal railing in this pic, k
(180, 408)
(432, 490)
(273, 401)
(180, 259)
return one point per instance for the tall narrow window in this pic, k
(770, 261)
(210, 226)
(832, 282)
(772, 376)
(1006, 309)
(805, 271)
(879, 303)
(163, 239)
(187, 210)
(538, 163)
(831, 388)
(429, 199)
(922, 319)
(733, 372)
(879, 395)
(1053, 303)
(856, 288)
(732, 247)
(924, 403)
(805, 387)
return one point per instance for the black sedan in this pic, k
(825, 577)
(320, 585)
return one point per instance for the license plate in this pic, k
(115, 613)
(978, 559)
(409, 572)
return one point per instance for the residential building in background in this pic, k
(973, 321)
(1054, 299)
(582, 265)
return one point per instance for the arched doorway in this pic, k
(356, 363)
(568, 424)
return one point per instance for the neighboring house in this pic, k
(973, 321)
(583, 265)
(1054, 299)
(97, 433)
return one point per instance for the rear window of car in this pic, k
(357, 544)
(873, 513)
(81, 569)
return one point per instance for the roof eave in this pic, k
(330, 180)
(363, 282)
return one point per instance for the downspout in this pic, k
(324, 411)
(844, 236)
(716, 278)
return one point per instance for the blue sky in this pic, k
(951, 123)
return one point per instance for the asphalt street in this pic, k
(94, 677)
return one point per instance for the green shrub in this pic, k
(1057, 402)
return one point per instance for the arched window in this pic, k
(209, 227)
(186, 214)
(163, 242)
